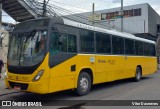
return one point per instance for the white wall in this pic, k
(131, 24)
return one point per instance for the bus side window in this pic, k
(146, 49)
(103, 43)
(72, 44)
(63, 45)
(54, 46)
(139, 48)
(129, 47)
(118, 45)
(87, 41)
(68, 44)
(153, 51)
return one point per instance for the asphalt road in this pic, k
(147, 89)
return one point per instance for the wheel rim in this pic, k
(138, 74)
(84, 84)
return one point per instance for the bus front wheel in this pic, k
(138, 74)
(84, 84)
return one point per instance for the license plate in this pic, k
(17, 87)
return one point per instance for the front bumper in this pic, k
(40, 86)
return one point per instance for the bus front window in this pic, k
(27, 49)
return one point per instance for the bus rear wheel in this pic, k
(84, 84)
(138, 74)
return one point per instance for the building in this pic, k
(141, 20)
(5, 30)
(4, 35)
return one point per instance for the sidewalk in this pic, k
(2, 76)
(3, 73)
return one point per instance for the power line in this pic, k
(69, 5)
(76, 15)
(63, 12)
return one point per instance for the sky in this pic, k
(86, 5)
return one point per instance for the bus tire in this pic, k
(84, 84)
(138, 74)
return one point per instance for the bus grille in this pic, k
(23, 86)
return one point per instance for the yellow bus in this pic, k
(52, 54)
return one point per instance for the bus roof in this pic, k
(112, 32)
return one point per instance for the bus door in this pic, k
(62, 61)
(130, 59)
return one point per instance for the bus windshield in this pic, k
(27, 49)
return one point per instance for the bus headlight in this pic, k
(38, 76)
(6, 75)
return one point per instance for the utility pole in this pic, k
(44, 7)
(121, 15)
(144, 28)
(0, 14)
(93, 14)
(0, 24)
